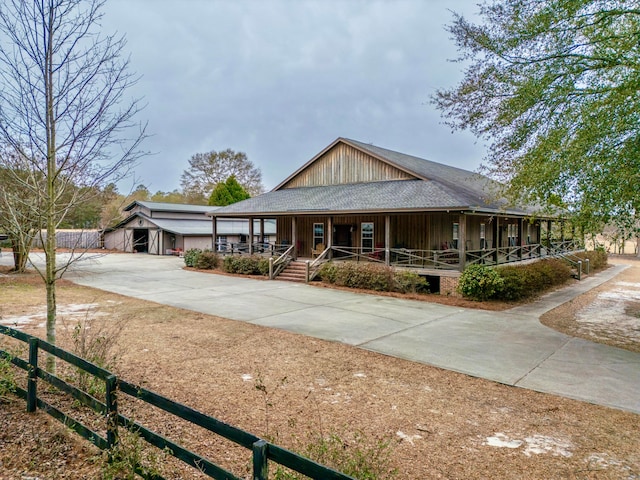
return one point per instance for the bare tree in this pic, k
(64, 110)
(17, 218)
(206, 170)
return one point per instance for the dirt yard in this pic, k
(291, 388)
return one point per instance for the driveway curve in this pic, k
(510, 347)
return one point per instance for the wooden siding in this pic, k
(344, 164)
(428, 231)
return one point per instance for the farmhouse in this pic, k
(361, 202)
(166, 228)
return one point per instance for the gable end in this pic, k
(344, 164)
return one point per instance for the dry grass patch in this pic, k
(292, 388)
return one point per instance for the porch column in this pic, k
(214, 232)
(462, 240)
(387, 239)
(262, 230)
(294, 240)
(250, 235)
(549, 235)
(496, 239)
(329, 235)
(521, 237)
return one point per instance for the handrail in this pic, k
(313, 267)
(262, 450)
(279, 264)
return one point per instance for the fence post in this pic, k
(587, 265)
(32, 376)
(579, 270)
(260, 466)
(111, 400)
(306, 271)
(270, 268)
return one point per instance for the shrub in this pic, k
(371, 276)
(246, 265)
(7, 375)
(191, 256)
(207, 260)
(409, 282)
(328, 272)
(514, 283)
(597, 258)
(479, 282)
(524, 281)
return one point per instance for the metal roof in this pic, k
(170, 207)
(195, 227)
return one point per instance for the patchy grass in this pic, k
(436, 423)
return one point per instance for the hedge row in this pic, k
(242, 264)
(370, 276)
(511, 282)
(246, 265)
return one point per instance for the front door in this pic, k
(342, 237)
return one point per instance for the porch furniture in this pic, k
(317, 250)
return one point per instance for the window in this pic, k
(512, 234)
(455, 236)
(483, 238)
(367, 236)
(318, 234)
(221, 243)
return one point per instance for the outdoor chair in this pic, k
(317, 250)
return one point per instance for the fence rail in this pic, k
(262, 451)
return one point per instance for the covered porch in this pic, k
(425, 241)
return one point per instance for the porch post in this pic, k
(549, 235)
(294, 240)
(496, 239)
(250, 235)
(387, 239)
(329, 235)
(214, 232)
(262, 231)
(462, 240)
(520, 236)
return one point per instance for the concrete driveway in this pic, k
(510, 347)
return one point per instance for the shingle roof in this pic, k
(437, 187)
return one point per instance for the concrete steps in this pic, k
(295, 272)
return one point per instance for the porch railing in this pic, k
(448, 259)
(279, 264)
(358, 254)
(313, 267)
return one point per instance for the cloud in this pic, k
(280, 80)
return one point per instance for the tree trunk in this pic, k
(50, 244)
(19, 257)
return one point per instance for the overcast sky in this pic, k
(281, 80)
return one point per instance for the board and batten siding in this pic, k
(344, 164)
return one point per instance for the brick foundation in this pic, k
(448, 286)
